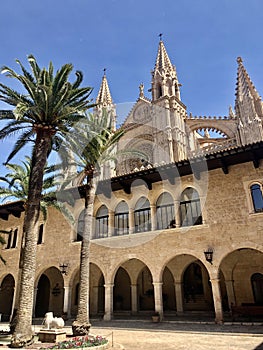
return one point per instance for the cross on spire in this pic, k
(104, 71)
(161, 36)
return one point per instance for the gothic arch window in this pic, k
(142, 215)
(102, 222)
(257, 287)
(257, 197)
(80, 228)
(165, 211)
(190, 208)
(121, 219)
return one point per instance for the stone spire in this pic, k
(245, 90)
(164, 77)
(104, 102)
(104, 95)
(248, 107)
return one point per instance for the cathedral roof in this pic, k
(104, 95)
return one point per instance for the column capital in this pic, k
(178, 283)
(215, 280)
(157, 283)
(109, 285)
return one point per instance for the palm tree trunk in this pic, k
(23, 328)
(81, 325)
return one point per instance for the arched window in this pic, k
(80, 228)
(257, 287)
(257, 198)
(121, 219)
(102, 221)
(190, 208)
(165, 211)
(142, 215)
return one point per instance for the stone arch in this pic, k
(190, 207)
(165, 211)
(140, 295)
(122, 290)
(6, 297)
(50, 285)
(97, 294)
(238, 267)
(186, 269)
(226, 127)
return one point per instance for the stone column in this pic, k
(230, 293)
(131, 221)
(108, 301)
(158, 298)
(134, 299)
(153, 217)
(67, 301)
(179, 297)
(111, 227)
(34, 301)
(177, 213)
(217, 300)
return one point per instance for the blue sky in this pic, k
(203, 39)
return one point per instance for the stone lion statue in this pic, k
(53, 322)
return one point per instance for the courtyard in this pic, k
(143, 334)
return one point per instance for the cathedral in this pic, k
(178, 232)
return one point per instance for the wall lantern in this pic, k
(63, 268)
(209, 255)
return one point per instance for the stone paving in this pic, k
(145, 335)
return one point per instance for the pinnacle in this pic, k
(104, 95)
(244, 83)
(163, 60)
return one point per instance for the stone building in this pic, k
(179, 232)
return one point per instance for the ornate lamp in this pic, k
(209, 255)
(64, 268)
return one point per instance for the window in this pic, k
(190, 208)
(12, 239)
(257, 198)
(102, 221)
(40, 234)
(165, 211)
(80, 228)
(142, 215)
(121, 219)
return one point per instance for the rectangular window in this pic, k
(40, 234)
(14, 238)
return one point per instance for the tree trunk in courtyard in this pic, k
(23, 329)
(82, 325)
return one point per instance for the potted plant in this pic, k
(156, 317)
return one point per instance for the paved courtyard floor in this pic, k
(145, 335)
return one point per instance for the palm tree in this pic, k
(16, 183)
(95, 144)
(44, 114)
